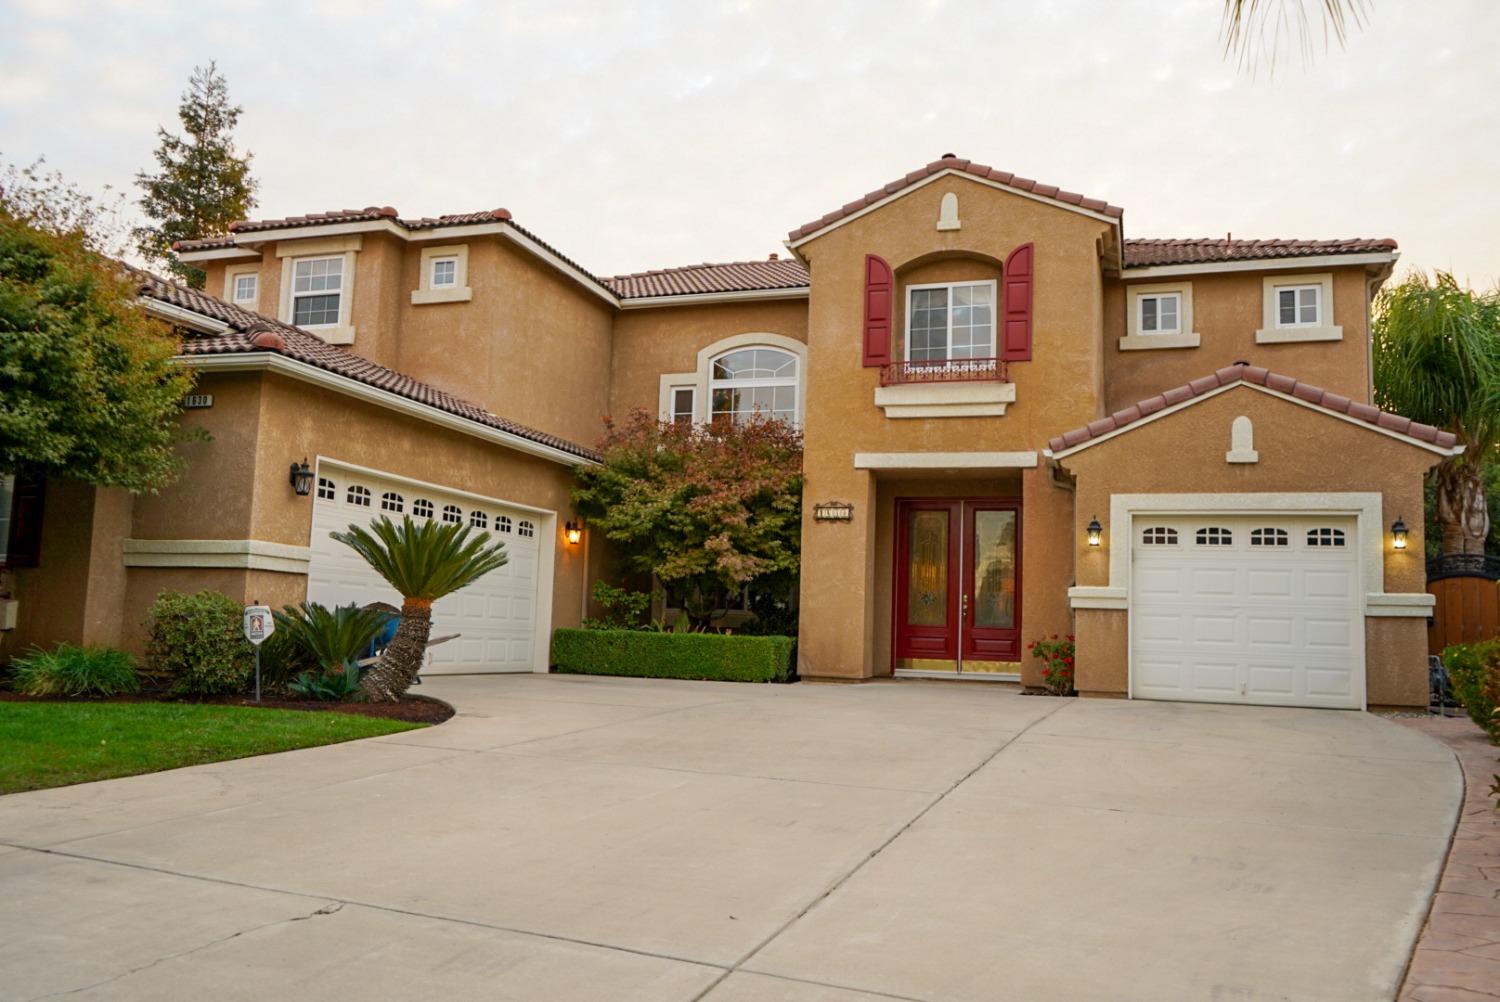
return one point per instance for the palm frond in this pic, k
(1253, 31)
(424, 560)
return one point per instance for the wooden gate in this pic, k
(1467, 587)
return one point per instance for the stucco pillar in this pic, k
(838, 579)
(1046, 564)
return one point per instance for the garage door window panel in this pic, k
(358, 496)
(391, 501)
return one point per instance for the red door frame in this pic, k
(943, 642)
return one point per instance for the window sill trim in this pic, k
(425, 297)
(1294, 335)
(1155, 342)
(340, 334)
(940, 400)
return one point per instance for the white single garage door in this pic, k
(1240, 609)
(495, 618)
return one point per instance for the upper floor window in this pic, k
(444, 272)
(952, 321)
(317, 285)
(1159, 313)
(754, 381)
(246, 288)
(1299, 305)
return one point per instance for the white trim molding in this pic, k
(1272, 331)
(1095, 597)
(1385, 258)
(343, 249)
(244, 554)
(220, 254)
(291, 368)
(1417, 605)
(232, 274)
(942, 400)
(458, 292)
(944, 460)
(701, 378)
(191, 319)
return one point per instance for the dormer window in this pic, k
(317, 288)
(1160, 313)
(443, 276)
(951, 321)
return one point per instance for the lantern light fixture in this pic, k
(1398, 533)
(574, 532)
(301, 478)
(1096, 532)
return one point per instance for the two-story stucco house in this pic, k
(1030, 423)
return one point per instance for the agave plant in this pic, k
(424, 562)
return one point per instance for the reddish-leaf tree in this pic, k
(706, 509)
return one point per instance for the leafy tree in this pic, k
(424, 562)
(1437, 361)
(707, 509)
(201, 185)
(87, 389)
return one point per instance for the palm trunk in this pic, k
(1462, 508)
(390, 677)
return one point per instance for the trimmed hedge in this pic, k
(644, 654)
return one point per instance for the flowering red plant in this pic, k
(1057, 663)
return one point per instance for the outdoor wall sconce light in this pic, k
(833, 511)
(1398, 534)
(1096, 532)
(301, 478)
(574, 532)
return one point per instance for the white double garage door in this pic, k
(495, 620)
(1247, 609)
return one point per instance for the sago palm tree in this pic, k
(424, 562)
(1437, 360)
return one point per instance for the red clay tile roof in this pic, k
(1285, 385)
(951, 162)
(696, 279)
(1209, 250)
(253, 332)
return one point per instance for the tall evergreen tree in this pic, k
(201, 185)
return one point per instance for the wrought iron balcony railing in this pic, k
(952, 370)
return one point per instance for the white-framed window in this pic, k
(317, 291)
(327, 489)
(502, 523)
(1299, 305)
(750, 381)
(358, 496)
(479, 519)
(1325, 536)
(1214, 536)
(422, 508)
(444, 272)
(443, 275)
(246, 287)
(452, 514)
(1159, 535)
(950, 321)
(1159, 313)
(684, 404)
(391, 501)
(525, 528)
(1269, 537)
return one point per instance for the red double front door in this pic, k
(958, 584)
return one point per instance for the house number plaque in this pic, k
(833, 511)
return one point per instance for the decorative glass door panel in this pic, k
(957, 585)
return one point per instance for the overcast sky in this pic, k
(635, 136)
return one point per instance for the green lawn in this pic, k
(56, 744)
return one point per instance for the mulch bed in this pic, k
(411, 708)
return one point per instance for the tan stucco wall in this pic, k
(1301, 450)
(1227, 311)
(1056, 390)
(651, 342)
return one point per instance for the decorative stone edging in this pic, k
(1458, 954)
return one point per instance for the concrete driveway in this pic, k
(593, 838)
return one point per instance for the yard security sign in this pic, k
(259, 625)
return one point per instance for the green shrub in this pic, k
(197, 645)
(329, 638)
(75, 671)
(330, 684)
(623, 609)
(1474, 672)
(642, 654)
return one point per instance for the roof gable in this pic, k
(946, 165)
(1180, 397)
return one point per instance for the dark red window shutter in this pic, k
(1015, 342)
(25, 545)
(879, 291)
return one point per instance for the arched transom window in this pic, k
(750, 381)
